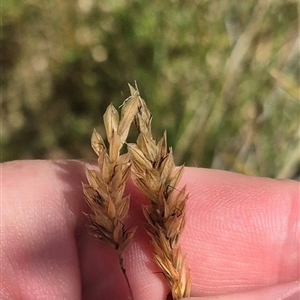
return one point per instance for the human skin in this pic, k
(241, 238)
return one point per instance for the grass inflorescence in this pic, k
(105, 188)
(154, 173)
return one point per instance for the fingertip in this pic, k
(240, 229)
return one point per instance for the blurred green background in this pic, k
(222, 77)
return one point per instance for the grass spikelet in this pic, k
(155, 175)
(105, 188)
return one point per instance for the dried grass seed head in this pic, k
(154, 172)
(105, 188)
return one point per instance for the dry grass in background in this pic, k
(221, 77)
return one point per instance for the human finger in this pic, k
(284, 291)
(242, 232)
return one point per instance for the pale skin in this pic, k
(241, 238)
